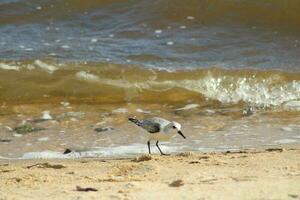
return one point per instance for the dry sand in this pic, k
(261, 174)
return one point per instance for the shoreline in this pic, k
(273, 173)
(106, 128)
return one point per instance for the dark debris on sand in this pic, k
(27, 128)
(46, 165)
(87, 189)
(67, 151)
(5, 140)
(177, 183)
(103, 129)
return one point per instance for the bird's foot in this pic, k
(165, 154)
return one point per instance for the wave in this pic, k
(31, 81)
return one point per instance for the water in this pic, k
(241, 56)
(192, 34)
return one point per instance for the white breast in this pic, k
(161, 136)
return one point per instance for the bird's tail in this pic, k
(136, 121)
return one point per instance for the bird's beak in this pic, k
(180, 133)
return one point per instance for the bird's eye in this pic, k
(174, 127)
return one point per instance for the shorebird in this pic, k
(160, 129)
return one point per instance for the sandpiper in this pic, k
(160, 129)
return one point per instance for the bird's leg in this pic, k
(160, 150)
(149, 146)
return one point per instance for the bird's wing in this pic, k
(161, 121)
(151, 126)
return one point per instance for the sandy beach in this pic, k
(252, 174)
(75, 74)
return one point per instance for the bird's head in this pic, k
(177, 126)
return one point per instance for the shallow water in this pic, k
(206, 130)
(229, 71)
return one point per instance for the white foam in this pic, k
(286, 128)
(143, 111)
(46, 115)
(43, 139)
(188, 107)
(197, 127)
(190, 17)
(94, 40)
(294, 105)
(158, 31)
(243, 89)
(46, 67)
(17, 135)
(285, 141)
(98, 152)
(120, 110)
(44, 155)
(82, 75)
(30, 67)
(170, 43)
(65, 46)
(65, 103)
(9, 67)
(210, 111)
(9, 128)
(4, 158)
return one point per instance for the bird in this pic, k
(160, 129)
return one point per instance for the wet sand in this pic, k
(251, 174)
(74, 127)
